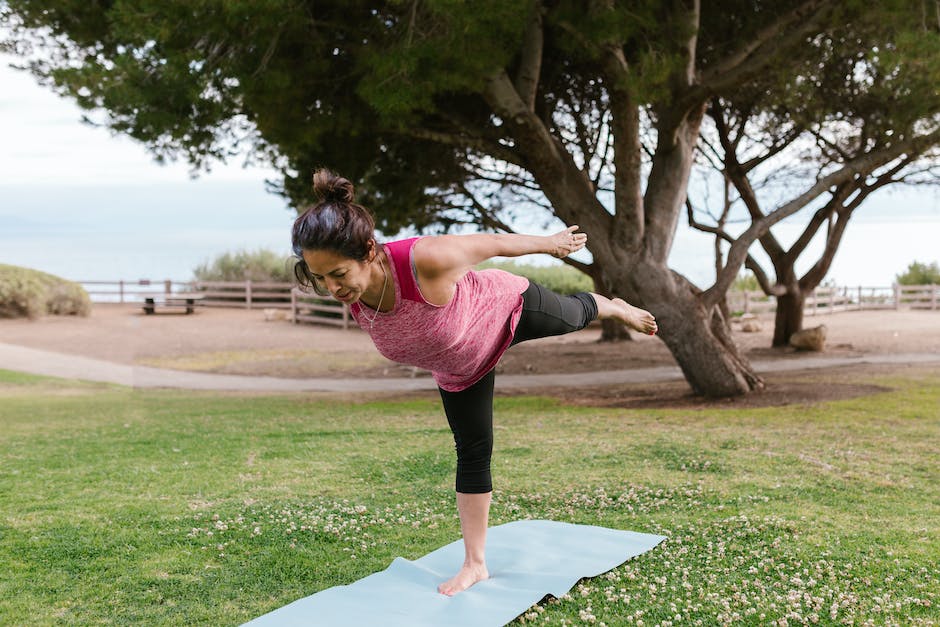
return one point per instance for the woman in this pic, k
(423, 304)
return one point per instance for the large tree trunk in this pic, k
(705, 352)
(613, 331)
(789, 318)
(637, 269)
(697, 336)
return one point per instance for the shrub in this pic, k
(260, 265)
(920, 274)
(559, 278)
(31, 293)
(745, 282)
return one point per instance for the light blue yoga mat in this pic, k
(526, 560)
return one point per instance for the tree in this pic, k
(852, 132)
(919, 273)
(449, 112)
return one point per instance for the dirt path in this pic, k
(242, 342)
(239, 341)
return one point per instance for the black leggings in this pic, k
(470, 412)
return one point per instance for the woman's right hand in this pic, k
(566, 242)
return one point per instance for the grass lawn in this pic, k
(165, 507)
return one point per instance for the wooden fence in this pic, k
(123, 291)
(836, 299)
(247, 294)
(305, 307)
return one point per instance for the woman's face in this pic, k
(345, 278)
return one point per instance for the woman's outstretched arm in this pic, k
(456, 254)
(443, 260)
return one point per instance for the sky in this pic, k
(84, 204)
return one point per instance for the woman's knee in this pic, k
(473, 466)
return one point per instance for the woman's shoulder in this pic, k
(402, 245)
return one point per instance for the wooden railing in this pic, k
(247, 294)
(122, 291)
(307, 307)
(835, 299)
(304, 307)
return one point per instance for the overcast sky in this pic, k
(80, 202)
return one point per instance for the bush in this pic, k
(261, 265)
(31, 293)
(745, 282)
(920, 274)
(559, 278)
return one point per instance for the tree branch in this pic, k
(815, 275)
(859, 166)
(738, 176)
(628, 229)
(586, 268)
(530, 64)
(750, 262)
(791, 136)
(565, 185)
(479, 144)
(755, 54)
(486, 216)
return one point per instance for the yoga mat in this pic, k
(526, 559)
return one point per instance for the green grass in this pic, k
(176, 508)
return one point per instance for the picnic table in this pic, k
(171, 303)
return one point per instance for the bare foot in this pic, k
(637, 319)
(467, 576)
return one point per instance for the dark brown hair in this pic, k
(335, 223)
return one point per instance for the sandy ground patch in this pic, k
(241, 341)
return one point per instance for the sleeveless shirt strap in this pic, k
(401, 252)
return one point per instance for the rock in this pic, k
(274, 314)
(809, 339)
(750, 326)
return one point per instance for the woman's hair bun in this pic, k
(332, 188)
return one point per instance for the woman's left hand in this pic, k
(566, 242)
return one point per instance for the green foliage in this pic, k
(918, 273)
(559, 278)
(392, 94)
(260, 265)
(30, 293)
(745, 282)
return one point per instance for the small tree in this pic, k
(920, 274)
(823, 140)
(243, 265)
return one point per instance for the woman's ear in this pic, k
(373, 250)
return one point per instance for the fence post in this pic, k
(248, 294)
(121, 290)
(293, 306)
(167, 287)
(897, 296)
(933, 296)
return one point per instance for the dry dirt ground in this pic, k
(240, 341)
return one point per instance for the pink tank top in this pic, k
(458, 342)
